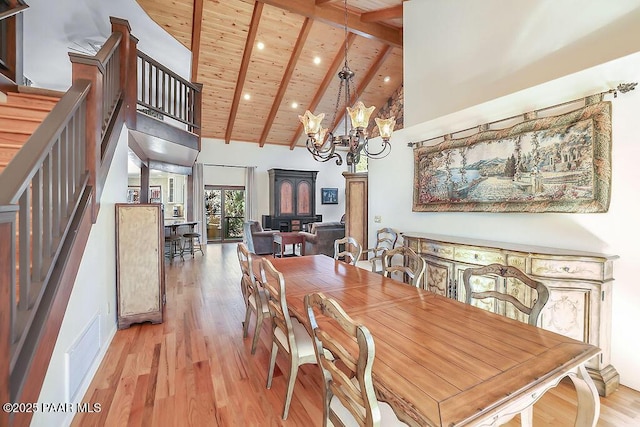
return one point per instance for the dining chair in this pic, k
(289, 335)
(352, 250)
(243, 258)
(532, 308)
(386, 238)
(349, 398)
(405, 261)
(254, 295)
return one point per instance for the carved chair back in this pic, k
(345, 351)
(352, 250)
(386, 238)
(406, 261)
(353, 388)
(531, 308)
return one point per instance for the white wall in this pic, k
(94, 294)
(462, 53)
(485, 49)
(216, 152)
(53, 28)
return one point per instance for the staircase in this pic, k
(20, 115)
(55, 153)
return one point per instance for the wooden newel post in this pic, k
(89, 68)
(7, 296)
(197, 113)
(128, 68)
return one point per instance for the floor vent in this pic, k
(80, 357)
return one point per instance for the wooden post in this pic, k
(89, 68)
(7, 283)
(144, 183)
(128, 68)
(197, 113)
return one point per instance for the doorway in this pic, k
(225, 213)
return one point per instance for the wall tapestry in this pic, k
(560, 163)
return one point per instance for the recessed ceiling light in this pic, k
(294, 105)
(387, 79)
(260, 45)
(247, 96)
(317, 60)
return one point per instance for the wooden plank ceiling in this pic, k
(250, 93)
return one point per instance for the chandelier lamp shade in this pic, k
(322, 142)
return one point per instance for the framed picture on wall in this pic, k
(329, 196)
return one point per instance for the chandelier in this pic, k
(322, 143)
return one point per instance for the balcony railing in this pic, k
(165, 95)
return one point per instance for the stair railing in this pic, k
(47, 185)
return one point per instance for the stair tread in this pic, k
(24, 107)
(5, 115)
(18, 126)
(33, 96)
(31, 101)
(10, 144)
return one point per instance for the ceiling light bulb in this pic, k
(294, 105)
(317, 60)
(247, 96)
(387, 79)
(260, 45)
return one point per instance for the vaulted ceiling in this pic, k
(250, 94)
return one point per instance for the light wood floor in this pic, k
(196, 370)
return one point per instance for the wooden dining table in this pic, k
(438, 361)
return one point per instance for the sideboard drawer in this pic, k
(479, 256)
(436, 249)
(563, 268)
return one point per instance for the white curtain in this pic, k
(198, 200)
(251, 202)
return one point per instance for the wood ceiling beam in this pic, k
(242, 74)
(371, 73)
(196, 32)
(321, 2)
(297, 50)
(338, 61)
(382, 14)
(335, 17)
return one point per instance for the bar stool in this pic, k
(192, 242)
(175, 246)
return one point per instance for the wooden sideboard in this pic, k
(580, 285)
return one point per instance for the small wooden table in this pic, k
(288, 238)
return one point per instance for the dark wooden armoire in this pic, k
(292, 200)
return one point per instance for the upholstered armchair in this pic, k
(320, 237)
(259, 241)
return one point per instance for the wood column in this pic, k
(357, 207)
(89, 68)
(7, 296)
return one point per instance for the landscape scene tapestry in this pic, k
(553, 164)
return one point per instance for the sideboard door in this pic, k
(139, 263)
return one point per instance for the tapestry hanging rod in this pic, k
(621, 88)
